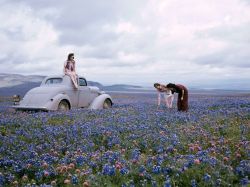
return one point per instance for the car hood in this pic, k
(94, 89)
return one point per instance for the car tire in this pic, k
(63, 106)
(107, 104)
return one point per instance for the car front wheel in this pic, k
(63, 106)
(107, 104)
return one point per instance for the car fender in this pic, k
(97, 103)
(54, 102)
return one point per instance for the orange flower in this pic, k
(53, 183)
(78, 171)
(71, 165)
(29, 165)
(86, 184)
(197, 161)
(162, 133)
(15, 183)
(66, 181)
(238, 155)
(25, 178)
(46, 174)
(45, 165)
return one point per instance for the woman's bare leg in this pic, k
(167, 102)
(171, 98)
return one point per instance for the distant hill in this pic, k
(97, 84)
(10, 80)
(18, 89)
(11, 84)
(122, 87)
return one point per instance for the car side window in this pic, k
(54, 81)
(82, 82)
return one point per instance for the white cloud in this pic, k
(146, 41)
(126, 27)
(131, 58)
(30, 42)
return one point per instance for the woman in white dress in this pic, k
(70, 70)
(168, 95)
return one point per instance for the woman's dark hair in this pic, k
(174, 87)
(70, 55)
(171, 85)
(156, 85)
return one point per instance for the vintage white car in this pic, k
(58, 93)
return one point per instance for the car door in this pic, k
(85, 96)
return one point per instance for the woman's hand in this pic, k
(182, 95)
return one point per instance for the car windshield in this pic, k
(54, 81)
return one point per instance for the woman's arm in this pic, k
(74, 66)
(64, 67)
(159, 99)
(182, 95)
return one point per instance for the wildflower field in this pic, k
(132, 144)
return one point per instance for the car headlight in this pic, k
(16, 98)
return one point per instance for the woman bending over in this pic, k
(168, 95)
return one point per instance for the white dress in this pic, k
(168, 96)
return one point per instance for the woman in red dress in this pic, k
(182, 103)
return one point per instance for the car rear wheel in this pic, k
(63, 106)
(107, 104)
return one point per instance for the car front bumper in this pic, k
(30, 108)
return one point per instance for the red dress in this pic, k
(182, 105)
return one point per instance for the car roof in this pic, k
(60, 76)
(65, 78)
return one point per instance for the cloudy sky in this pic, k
(195, 42)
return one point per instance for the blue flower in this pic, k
(156, 169)
(167, 183)
(39, 175)
(74, 180)
(95, 141)
(193, 183)
(2, 180)
(108, 170)
(142, 169)
(124, 171)
(244, 181)
(80, 160)
(153, 183)
(243, 168)
(207, 177)
(42, 185)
